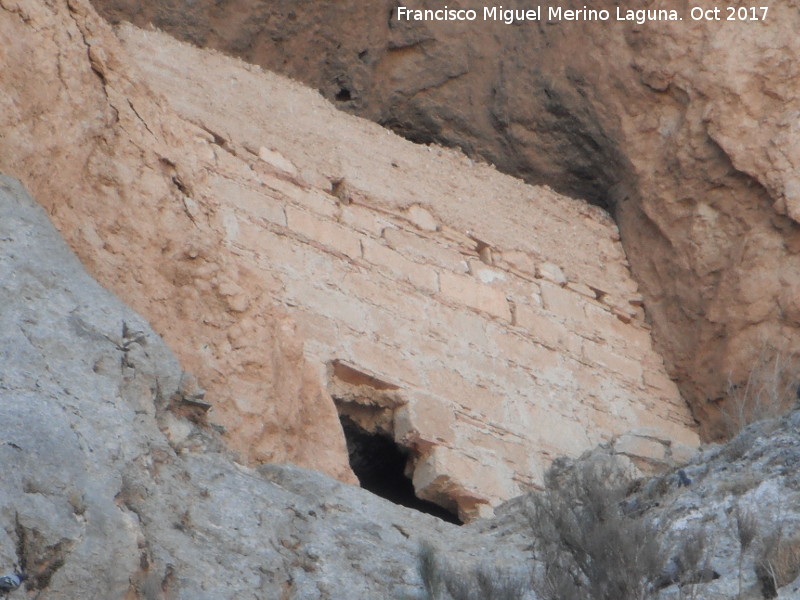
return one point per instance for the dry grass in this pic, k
(694, 556)
(483, 582)
(746, 527)
(746, 531)
(778, 563)
(770, 390)
(591, 549)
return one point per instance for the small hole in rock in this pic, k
(343, 95)
(339, 189)
(379, 463)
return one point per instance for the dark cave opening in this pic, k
(343, 95)
(379, 463)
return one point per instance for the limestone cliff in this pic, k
(124, 179)
(110, 491)
(685, 130)
(242, 215)
(434, 313)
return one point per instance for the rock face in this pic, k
(685, 130)
(732, 506)
(434, 317)
(117, 482)
(132, 199)
(749, 480)
(108, 492)
(434, 314)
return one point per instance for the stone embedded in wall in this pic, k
(364, 399)
(422, 218)
(277, 160)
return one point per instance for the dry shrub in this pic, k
(693, 562)
(746, 531)
(483, 582)
(770, 390)
(591, 550)
(588, 547)
(738, 446)
(777, 555)
(746, 527)
(778, 563)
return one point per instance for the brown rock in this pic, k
(257, 192)
(686, 130)
(124, 179)
(488, 366)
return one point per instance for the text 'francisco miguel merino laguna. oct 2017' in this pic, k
(555, 14)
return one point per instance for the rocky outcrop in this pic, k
(436, 318)
(132, 198)
(743, 485)
(116, 480)
(729, 512)
(444, 326)
(109, 492)
(685, 130)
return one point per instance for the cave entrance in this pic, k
(366, 408)
(380, 465)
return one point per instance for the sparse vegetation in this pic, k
(445, 582)
(778, 562)
(694, 550)
(746, 530)
(770, 390)
(590, 548)
(739, 484)
(777, 553)
(593, 538)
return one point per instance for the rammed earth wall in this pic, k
(502, 317)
